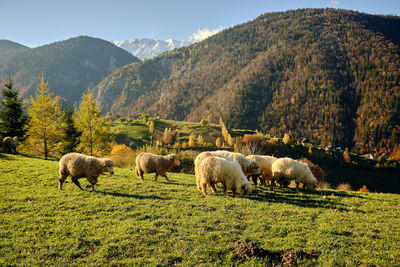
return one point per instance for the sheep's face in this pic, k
(108, 165)
(310, 186)
(253, 169)
(175, 159)
(244, 189)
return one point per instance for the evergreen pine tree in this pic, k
(13, 117)
(70, 140)
(96, 136)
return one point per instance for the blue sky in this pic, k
(39, 22)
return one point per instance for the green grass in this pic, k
(137, 132)
(129, 222)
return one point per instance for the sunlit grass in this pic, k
(128, 222)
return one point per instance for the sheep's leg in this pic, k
(213, 188)
(224, 187)
(272, 183)
(297, 187)
(254, 178)
(61, 180)
(204, 188)
(234, 192)
(93, 181)
(76, 182)
(139, 173)
(165, 175)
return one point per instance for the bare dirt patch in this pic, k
(288, 257)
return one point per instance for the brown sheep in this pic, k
(79, 166)
(10, 144)
(160, 165)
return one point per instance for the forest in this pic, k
(331, 76)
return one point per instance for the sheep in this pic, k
(265, 168)
(148, 162)
(215, 169)
(10, 144)
(79, 166)
(290, 169)
(249, 167)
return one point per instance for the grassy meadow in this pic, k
(129, 222)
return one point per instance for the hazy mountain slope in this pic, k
(329, 75)
(143, 48)
(70, 66)
(9, 49)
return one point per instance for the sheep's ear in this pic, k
(103, 163)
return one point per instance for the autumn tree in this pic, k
(46, 120)
(167, 136)
(13, 117)
(200, 140)
(96, 137)
(192, 141)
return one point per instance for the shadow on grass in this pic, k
(117, 194)
(4, 156)
(302, 199)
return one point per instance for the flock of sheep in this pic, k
(232, 170)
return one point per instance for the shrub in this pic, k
(344, 187)
(324, 185)
(123, 156)
(363, 189)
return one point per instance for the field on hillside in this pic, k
(129, 222)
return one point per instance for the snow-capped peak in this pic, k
(148, 48)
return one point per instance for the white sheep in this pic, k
(10, 144)
(215, 169)
(249, 167)
(290, 169)
(265, 168)
(79, 166)
(149, 163)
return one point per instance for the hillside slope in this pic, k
(129, 222)
(329, 75)
(9, 49)
(70, 66)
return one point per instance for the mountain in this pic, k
(149, 48)
(331, 76)
(9, 49)
(70, 66)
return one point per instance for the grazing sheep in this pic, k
(290, 169)
(249, 167)
(265, 168)
(10, 144)
(148, 162)
(78, 166)
(218, 169)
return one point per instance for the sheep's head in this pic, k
(244, 189)
(174, 158)
(108, 165)
(253, 169)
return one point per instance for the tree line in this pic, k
(45, 129)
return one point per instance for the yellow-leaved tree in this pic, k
(46, 121)
(96, 137)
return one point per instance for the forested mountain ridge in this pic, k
(9, 49)
(70, 66)
(329, 75)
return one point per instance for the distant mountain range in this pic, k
(149, 48)
(9, 49)
(69, 66)
(329, 75)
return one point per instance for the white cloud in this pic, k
(333, 3)
(202, 34)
